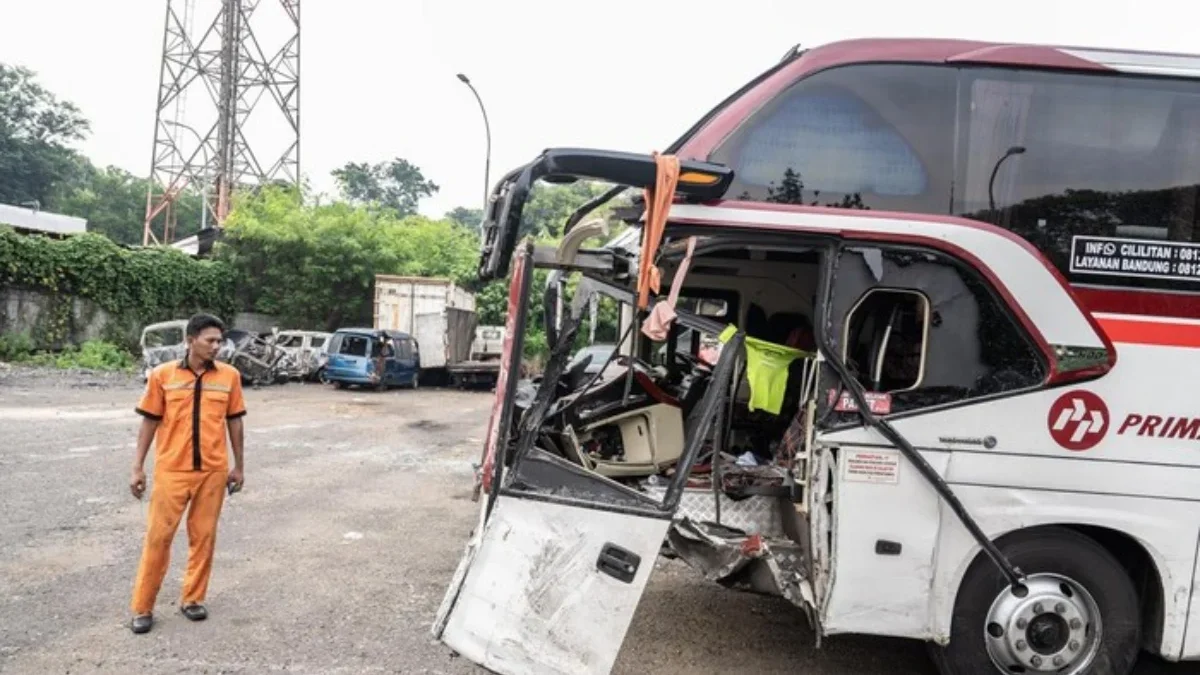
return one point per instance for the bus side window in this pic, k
(926, 329)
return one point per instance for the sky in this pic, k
(378, 76)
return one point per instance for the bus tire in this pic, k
(992, 627)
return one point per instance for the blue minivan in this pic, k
(373, 358)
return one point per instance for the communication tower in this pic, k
(228, 108)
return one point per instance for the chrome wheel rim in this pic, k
(1049, 624)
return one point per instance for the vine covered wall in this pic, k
(132, 287)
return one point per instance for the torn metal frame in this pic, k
(539, 475)
(502, 218)
(536, 474)
(523, 277)
(832, 247)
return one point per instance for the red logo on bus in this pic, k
(1078, 420)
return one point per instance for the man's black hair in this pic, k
(199, 322)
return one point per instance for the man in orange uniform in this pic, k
(186, 409)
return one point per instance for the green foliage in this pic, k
(550, 205)
(607, 318)
(545, 214)
(397, 185)
(536, 349)
(491, 303)
(135, 286)
(91, 355)
(315, 266)
(35, 128)
(114, 203)
(468, 218)
(16, 346)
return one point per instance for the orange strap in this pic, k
(658, 205)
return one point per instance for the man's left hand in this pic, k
(235, 480)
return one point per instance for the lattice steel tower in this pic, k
(228, 109)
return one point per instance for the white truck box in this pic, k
(436, 312)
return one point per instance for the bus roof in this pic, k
(702, 138)
(926, 50)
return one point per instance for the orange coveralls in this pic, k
(191, 465)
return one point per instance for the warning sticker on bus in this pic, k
(871, 466)
(1145, 258)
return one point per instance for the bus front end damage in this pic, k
(696, 438)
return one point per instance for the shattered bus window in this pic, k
(921, 329)
(886, 341)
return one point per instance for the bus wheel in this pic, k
(1077, 612)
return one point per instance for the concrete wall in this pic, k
(23, 311)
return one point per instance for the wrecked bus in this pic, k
(957, 281)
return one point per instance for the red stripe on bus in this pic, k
(1144, 301)
(1134, 331)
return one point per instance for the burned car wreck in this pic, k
(259, 361)
(304, 354)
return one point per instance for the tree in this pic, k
(398, 185)
(315, 266)
(545, 214)
(790, 190)
(35, 128)
(546, 211)
(550, 205)
(468, 218)
(114, 203)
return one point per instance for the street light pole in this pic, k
(487, 163)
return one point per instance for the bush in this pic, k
(97, 355)
(16, 347)
(91, 355)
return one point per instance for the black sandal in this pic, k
(194, 612)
